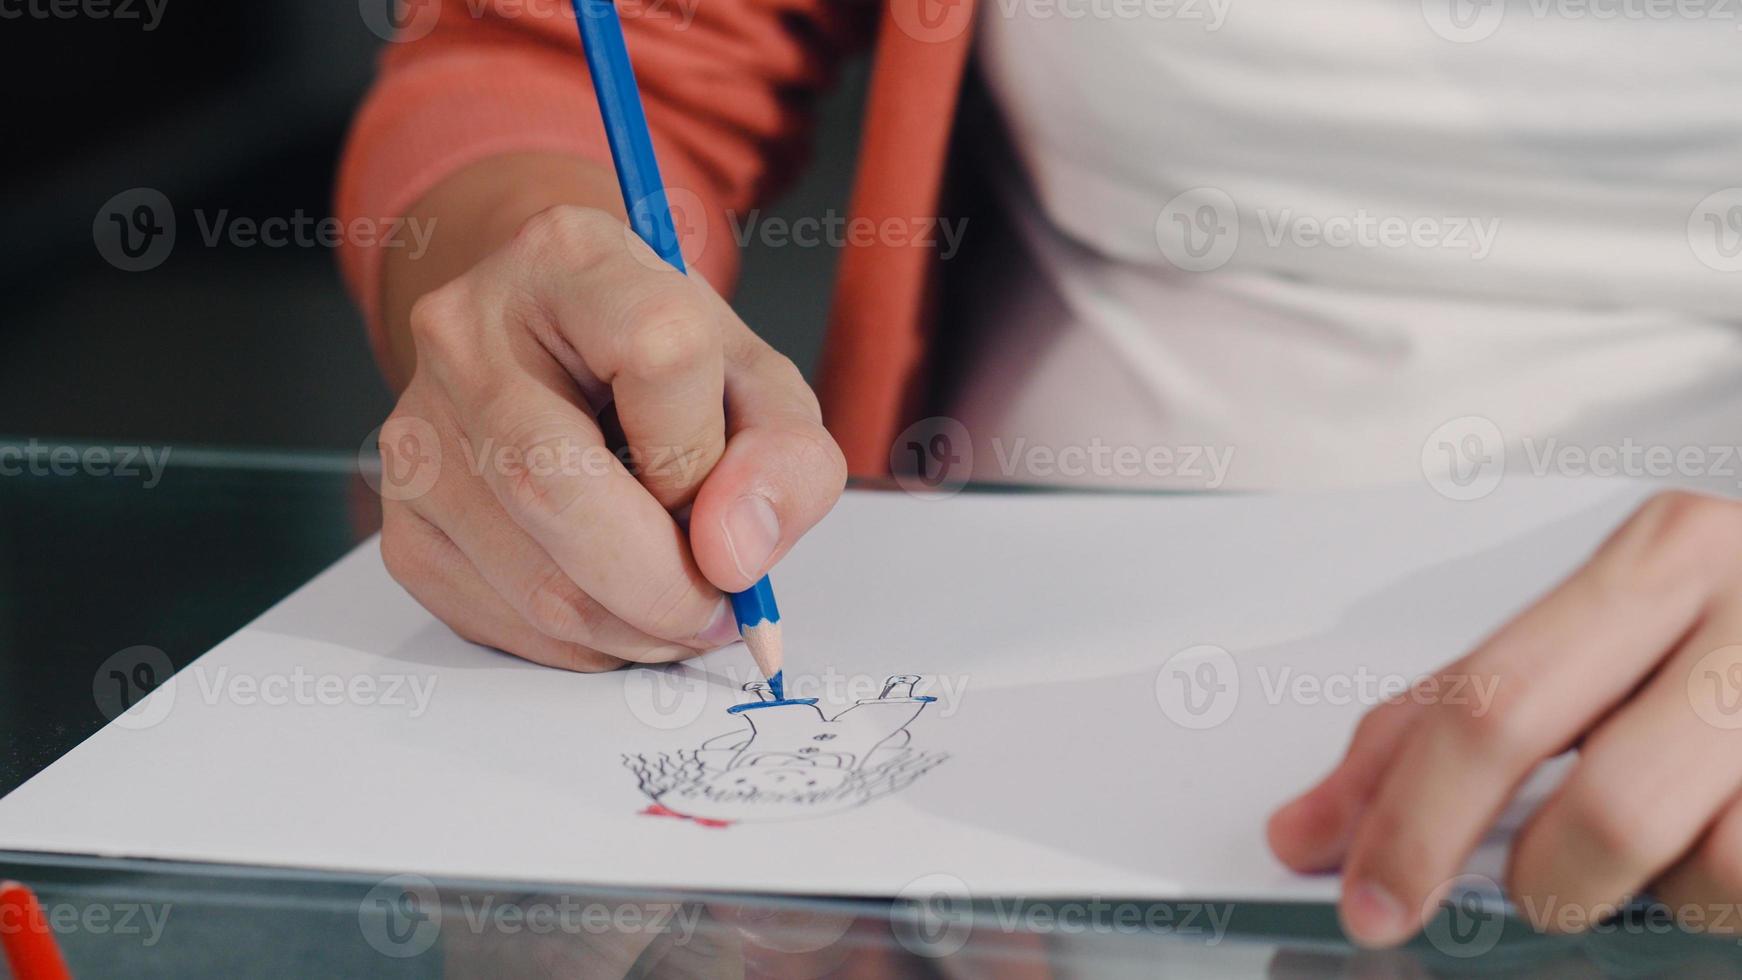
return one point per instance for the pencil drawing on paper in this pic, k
(787, 761)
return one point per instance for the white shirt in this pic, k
(1331, 243)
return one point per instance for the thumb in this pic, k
(780, 473)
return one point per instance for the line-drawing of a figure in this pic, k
(788, 761)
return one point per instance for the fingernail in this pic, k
(722, 629)
(1373, 916)
(752, 533)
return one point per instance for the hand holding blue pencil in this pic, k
(644, 198)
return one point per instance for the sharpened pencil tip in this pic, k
(763, 639)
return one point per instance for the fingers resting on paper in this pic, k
(1616, 660)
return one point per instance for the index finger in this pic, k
(549, 466)
(1554, 671)
(645, 330)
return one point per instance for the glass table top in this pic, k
(176, 555)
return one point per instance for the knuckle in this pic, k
(469, 632)
(1617, 824)
(1720, 858)
(576, 233)
(666, 608)
(585, 660)
(1679, 533)
(539, 475)
(1371, 725)
(397, 555)
(1502, 730)
(536, 494)
(783, 371)
(1677, 509)
(666, 333)
(779, 368)
(557, 608)
(439, 319)
(820, 456)
(1403, 854)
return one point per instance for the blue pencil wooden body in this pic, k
(644, 198)
(626, 129)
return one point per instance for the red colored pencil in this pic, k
(31, 950)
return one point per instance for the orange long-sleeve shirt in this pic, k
(727, 86)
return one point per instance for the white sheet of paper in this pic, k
(1073, 748)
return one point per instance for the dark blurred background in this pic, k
(237, 108)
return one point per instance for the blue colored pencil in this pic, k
(644, 198)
